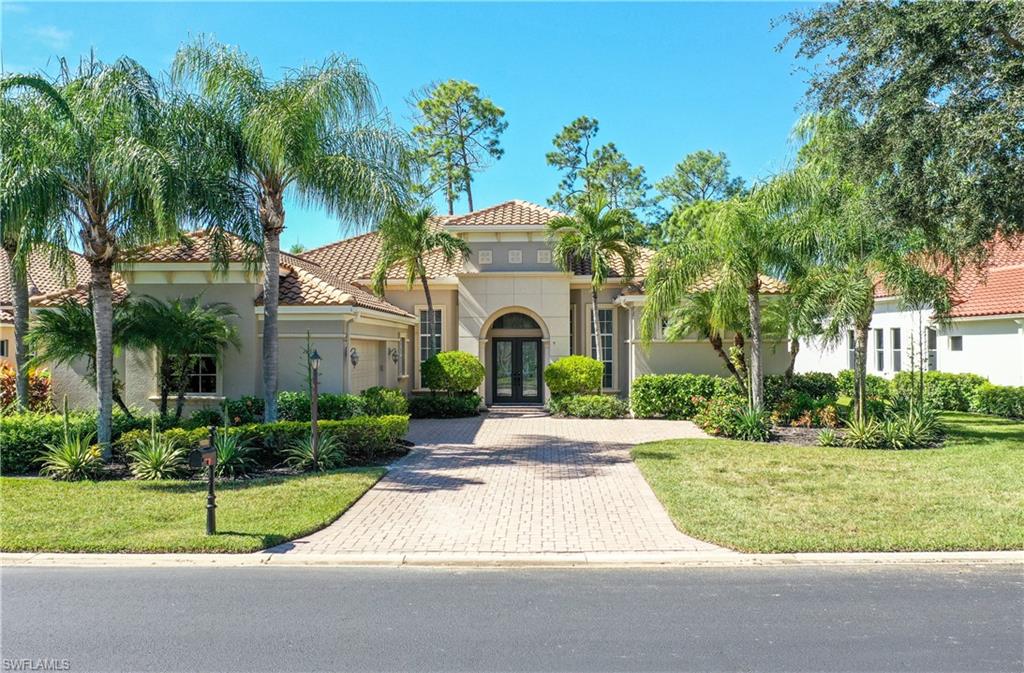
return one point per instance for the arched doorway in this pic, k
(516, 369)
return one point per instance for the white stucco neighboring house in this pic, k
(982, 334)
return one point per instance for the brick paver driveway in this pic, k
(512, 481)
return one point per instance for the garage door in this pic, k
(366, 374)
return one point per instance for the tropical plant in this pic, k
(863, 433)
(316, 133)
(304, 456)
(157, 456)
(234, 454)
(381, 401)
(73, 458)
(751, 424)
(182, 330)
(406, 239)
(702, 314)
(828, 437)
(596, 237)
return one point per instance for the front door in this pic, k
(517, 372)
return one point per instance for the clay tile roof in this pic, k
(581, 267)
(506, 214)
(194, 246)
(44, 277)
(769, 285)
(6, 316)
(79, 294)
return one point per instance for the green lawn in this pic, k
(967, 495)
(170, 516)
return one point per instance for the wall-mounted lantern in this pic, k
(354, 356)
(393, 354)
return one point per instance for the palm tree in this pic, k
(67, 335)
(596, 235)
(738, 244)
(99, 164)
(314, 132)
(406, 238)
(181, 330)
(698, 314)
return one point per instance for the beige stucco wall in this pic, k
(7, 335)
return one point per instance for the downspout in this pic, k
(346, 367)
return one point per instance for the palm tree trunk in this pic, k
(794, 350)
(756, 362)
(430, 314)
(19, 290)
(741, 358)
(102, 290)
(860, 375)
(272, 219)
(716, 344)
(596, 331)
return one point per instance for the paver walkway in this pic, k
(512, 481)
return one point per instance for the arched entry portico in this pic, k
(514, 342)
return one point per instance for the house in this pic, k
(507, 303)
(982, 334)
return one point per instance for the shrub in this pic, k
(877, 387)
(234, 454)
(717, 416)
(1005, 401)
(452, 372)
(157, 456)
(672, 395)
(814, 385)
(751, 424)
(828, 437)
(574, 375)
(301, 455)
(444, 406)
(245, 410)
(204, 418)
(380, 401)
(942, 390)
(863, 434)
(589, 406)
(38, 388)
(296, 406)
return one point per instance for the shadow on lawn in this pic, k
(984, 428)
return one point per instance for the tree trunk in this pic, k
(102, 290)
(740, 343)
(165, 383)
(794, 350)
(19, 291)
(756, 369)
(119, 401)
(860, 374)
(716, 343)
(430, 318)
(596, 331)
(272, 219)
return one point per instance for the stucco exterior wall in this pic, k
(7, 337)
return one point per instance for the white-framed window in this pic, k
(851, 350)
(879, 349)
(202, 375)
(3, 348)
(606, 344)
(402, 346)
(424, 344)
(572, 329)
(544, 256)
(956, 343)
(515, 256)
(484, 257)
(896, 341)
(933, 349)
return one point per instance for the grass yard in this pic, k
(170, 516)
(968, 495)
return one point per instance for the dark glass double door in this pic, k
(517, 371)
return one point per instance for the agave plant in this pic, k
(157, 456)
(893, 434)
(74, 458)
(751, 424)
(828, 437)
(234, 454)
(863, 433)
(303, 457)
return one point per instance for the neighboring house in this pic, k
(507, 303)
(983, 333)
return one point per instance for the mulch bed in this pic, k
(799, 436)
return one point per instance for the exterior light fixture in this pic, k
(314, 360)
(354, 356)
(393, 352)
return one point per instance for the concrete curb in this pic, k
(715, 559)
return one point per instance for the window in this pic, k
(202, 376)
(3, 348)
(543, 256)
(606, 345)
(401, 356)
(956, 343)
(515, 321)
(933, 346)
(572, 329)
(880, 350)
(430, 346)
(897, 349)
(515, 256)
(484, 257)
(851, 350)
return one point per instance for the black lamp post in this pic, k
(314, 361)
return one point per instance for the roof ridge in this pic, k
(473, 213)
(338, 242)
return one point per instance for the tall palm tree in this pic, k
(181, 330)
(738, 244)
(98, 161)
(700, 314)
(406, 238)
(596, 234)
(315, 133)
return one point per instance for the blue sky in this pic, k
(664, 79)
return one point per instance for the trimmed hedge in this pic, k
(943, 390)
(670, 395)
(381, 401)
(1005, 401)
(295, 406)
(589, 406)
(452, 372)
(574, 375)
(444, 406)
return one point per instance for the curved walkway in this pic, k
(512, 481)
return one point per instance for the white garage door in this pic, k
(366, 374)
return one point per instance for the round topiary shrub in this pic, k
(452, 372)
(574, 375)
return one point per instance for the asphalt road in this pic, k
(319, 619)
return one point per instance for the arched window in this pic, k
(515, 321)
